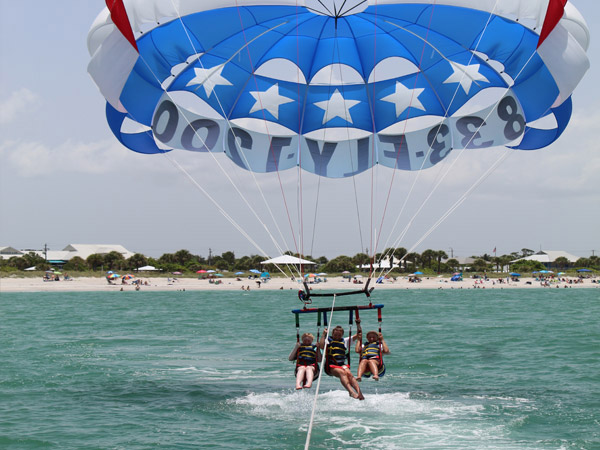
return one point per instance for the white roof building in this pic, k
(9, 252)
(70, 251)
(85, 250)
(549, 256)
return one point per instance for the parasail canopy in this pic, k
(337, 86)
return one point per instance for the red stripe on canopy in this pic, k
(556, 9)
(118, 14)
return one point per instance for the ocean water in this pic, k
(469, 369)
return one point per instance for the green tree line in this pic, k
(430, 262)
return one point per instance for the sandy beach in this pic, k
(27, 284)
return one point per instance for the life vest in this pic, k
(336, 355)
(336, 351)
(370, 351)
(307, 355)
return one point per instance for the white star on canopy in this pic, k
(404, 98)
(269, 100)
(337, 106)
(465, 75)
(209, 79)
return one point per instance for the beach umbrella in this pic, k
(128, 276)
(211, 271)
(358, 276)
(515, 274)
(534, 272)
(584, 270)
(345, 271)
(322, 274)
(219, 275)
(561, 273)
(176, 273)
(254, 271)
(239, 273)
(201, 271)
(265, 275)
(418, 273)
(112, 276)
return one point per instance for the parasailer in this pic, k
(371, 352)
(307, 356)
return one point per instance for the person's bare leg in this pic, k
(343, 376)
(361, 369)
(352, 381)
(310, 375)
(300, 376)
(374, 367)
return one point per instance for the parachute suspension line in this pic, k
(220, 209)
(459, 202)
(336, 47)
(372, 248)
(324, 352)
(312, 243)
(418, 174)
(469, 190)
(226, 117)
(405, 126)
(417, 177)
(247, 46)
(299, 196)
(319, 168)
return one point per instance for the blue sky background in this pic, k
(65, 179)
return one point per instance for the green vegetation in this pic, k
(430, 262)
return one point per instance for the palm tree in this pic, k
(427, 256)
(440, 254)
(414, 258)
(561, 262)
(453, 264)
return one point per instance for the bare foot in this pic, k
(375, 377)
(360, 396)
(353, 394)
(308, 386)
(359, 379)
(298, 388)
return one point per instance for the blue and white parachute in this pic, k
(336, 86)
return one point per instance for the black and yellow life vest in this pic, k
(336, 351)
(370, 351)
(307, 354)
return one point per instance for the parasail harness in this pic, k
(335, 352)
(379, 351)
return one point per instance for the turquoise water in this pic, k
(502, 369)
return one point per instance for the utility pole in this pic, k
(46, 252)
(209, 256)
(451, 252)
(593, 252)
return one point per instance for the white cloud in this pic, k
(18, 103)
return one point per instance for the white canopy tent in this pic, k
(146, 269)
(287, 259)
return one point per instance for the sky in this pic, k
(65, 179)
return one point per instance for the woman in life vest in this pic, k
(336, 364)
(371, 360)
(306, 356)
